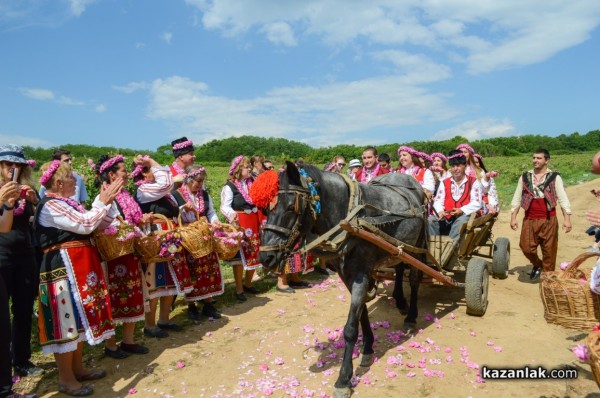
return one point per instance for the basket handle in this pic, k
(165, 219)
(179, 222)
(572, 268)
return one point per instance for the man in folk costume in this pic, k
(371, 167)
(538, 192)
(183, 152)
(239, 208)
(456, 199)
(205, 272)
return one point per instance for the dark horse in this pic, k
(292, 220)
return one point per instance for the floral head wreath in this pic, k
(406, 148)
(458, 158)
(110, 163)
(235, 164)
(439, 155)
(47, 176)
(194, 173)
(182, 145)
(138, 168)
(31, 163)
(467, 147)
(425, 156)
(478, 156)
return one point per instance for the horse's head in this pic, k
(289, 219)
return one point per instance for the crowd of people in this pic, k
(46, 250)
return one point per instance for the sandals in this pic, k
(83, 391)
(93, 375)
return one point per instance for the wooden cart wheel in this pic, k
(501, 258)
(476, 286)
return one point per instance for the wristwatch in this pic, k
(5, 207)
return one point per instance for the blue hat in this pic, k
(12, 153)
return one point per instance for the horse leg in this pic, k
(415, 277)
(358, 289)
(398, 293)
(368, 339)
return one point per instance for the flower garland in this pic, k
(187, 196)
(194, 173)
(243, 191)
(138, 168)
(439, 155)
(182, 145)
(21, 208)
(177, 168)
(467, 147)
(110, 163)
(47, 176)
(68, 201)
(235, 164)
(130, 208)
(367, 175)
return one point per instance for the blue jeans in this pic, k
(447, 227)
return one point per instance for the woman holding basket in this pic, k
(205, 271)
(74, 304)
(164, 279)
(124, 274)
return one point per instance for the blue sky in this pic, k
(139, 73)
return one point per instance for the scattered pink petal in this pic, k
(498, 349)
(581, 352)
(208, 334)
(479, 380)
(427, 373)
(342, 298)
(278, 361)
(132, 391)
(452, 316)
(449, 359)
(263, 367)
(448, 350)
(180, 364)
(400, 348)
(411, 374)
(410, 365)
(390, 374)
(308, 329)
(473, 333)
(472, 365)
(428, 317)
(366, 380)
(490, 343)
(429, 341)
(281, 312)
(267, 391)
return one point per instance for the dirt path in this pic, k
(281, 345)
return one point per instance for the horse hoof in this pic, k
(342, 392)
(403, 311)
(409, 327)
(367, 360)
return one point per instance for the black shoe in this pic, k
(241, 297)
(251, 290)
(134, 348)
(116, 354)
(299, 284)
(155, 332)
(169, 326)
(28, 369)
(324, 271)
(210, 311)
(193, 313)
(285, 289)
(83, 391)
(535, 273)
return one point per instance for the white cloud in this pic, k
(486, 35)
(417, 67)
(100, 108)
(131, 87)
(37, 93)
(167, 37)
(69, 101)
(25, 141)
(313, 113)
(478, 129)
(280, 33)
(79, 6)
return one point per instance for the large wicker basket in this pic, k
(109, 246)
(227, 251)
(593, 344)
(196, 237)
(148, 247)
(568, 301)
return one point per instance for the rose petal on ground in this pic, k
(180, 364)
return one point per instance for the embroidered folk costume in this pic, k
(74, 304)
(365, 174)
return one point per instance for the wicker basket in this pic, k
(593, 344)
(109, 246)
(196, 236)
(148, 246)
(224, 250)
(568, 301)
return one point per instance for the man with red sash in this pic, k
(457, 197)
(538, 192)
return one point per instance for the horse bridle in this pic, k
(301, 200)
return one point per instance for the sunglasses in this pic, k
(341, 164)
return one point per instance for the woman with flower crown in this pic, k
(474, 170)
(166, 279)
(18, 264)
(74, 304)
(238, 208)
(205, 271)
(124, 274)
(490, 196)
(410, 164)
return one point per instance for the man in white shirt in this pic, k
(457, 198)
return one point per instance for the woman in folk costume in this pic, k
(473, 170)
(74, 304)
(168, 278)
(371, 167)
(123, 274)
(439, 166)
(183, 152)
(490, 198)
(205, 272)
(238, 208)
(18, 264)
(411, 165)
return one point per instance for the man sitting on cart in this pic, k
(457, 198)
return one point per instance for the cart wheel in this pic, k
(501, 258)
(476, 286)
